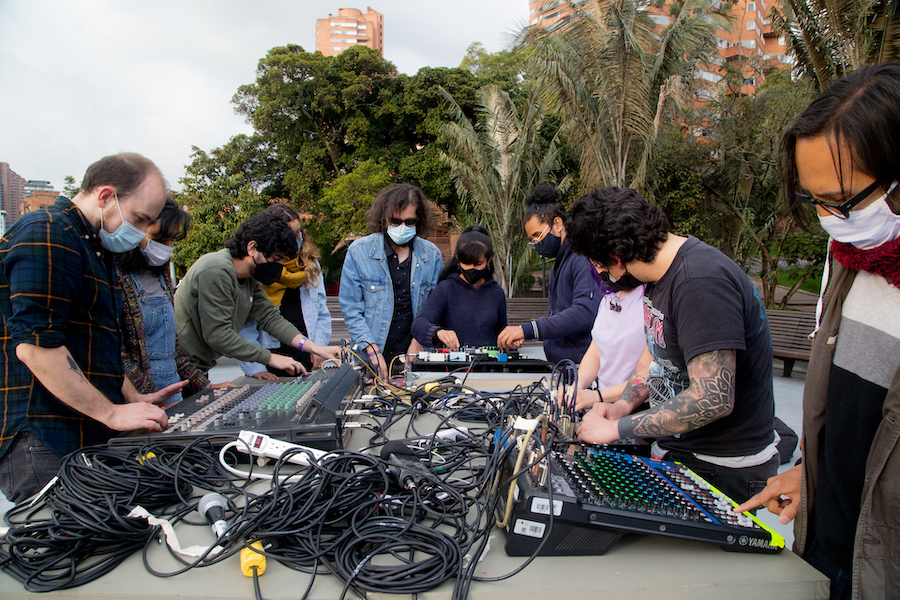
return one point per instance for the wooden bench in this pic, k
(790, 335)
(518, 311)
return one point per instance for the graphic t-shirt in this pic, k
(705, 302)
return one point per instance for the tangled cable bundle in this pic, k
(387, 524)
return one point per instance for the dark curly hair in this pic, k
(270, 232)
(861, 111)
(394, 199)
(474, 242)
(543, 202)
(610, 223)
(174, 224)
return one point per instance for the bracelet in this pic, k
(300, 347)
(600, 394)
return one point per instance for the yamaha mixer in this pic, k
(307, 411)
(599, 494)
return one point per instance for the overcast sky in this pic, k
(83, 79)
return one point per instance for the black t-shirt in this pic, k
(705, 302)
(400, 332)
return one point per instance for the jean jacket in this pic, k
(367, 294)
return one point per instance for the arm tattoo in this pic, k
(710, 396)
(74, 368)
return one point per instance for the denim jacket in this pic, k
(367, 294)
(315, 316)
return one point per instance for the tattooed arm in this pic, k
(599, 424)
(59, 373)
(710, 396)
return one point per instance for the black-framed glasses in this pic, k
(398, 222)
(842, 210)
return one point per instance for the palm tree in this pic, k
(612, 70)
(494, 163)
(832, 38)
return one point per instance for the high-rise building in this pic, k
(751, 45)
(33, 185)
(351, 27)
(12, 192)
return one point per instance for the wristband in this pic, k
(300, 347)
(599, 394)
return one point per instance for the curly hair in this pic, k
(862, 113)
(610, 223)
(394, 199)
(473, 243)
(543, 202)
(309, 254)
(174, 225)
(270, 232)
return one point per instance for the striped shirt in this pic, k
(58, 287)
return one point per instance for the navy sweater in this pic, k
(476, 314)
(573, 302)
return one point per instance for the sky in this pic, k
(81, 80)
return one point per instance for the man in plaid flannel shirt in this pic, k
(62, 385)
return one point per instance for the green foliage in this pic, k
(809, 282)
(71, 187)
(341, 210)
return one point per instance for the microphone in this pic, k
(212, 508)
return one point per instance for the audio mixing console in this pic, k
(600, 494)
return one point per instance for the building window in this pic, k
(751, 7)
(751, 25)
(661, 20)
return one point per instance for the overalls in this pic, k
(159, 335)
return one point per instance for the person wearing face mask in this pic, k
(467, 308)
(388, 275)
(223, 290)
(617, 340)
(707, 368)
(572, 295)
(63, 385)
(152, 357)
(840, 158)
(300, 295)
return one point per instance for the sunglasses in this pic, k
(397, 222)
(842, 210)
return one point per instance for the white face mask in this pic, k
(867, 228)
(157, 254)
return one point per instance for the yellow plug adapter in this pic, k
(251, 558)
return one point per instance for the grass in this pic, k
(789, 277)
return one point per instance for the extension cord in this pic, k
(264, 447)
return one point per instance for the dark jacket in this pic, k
(876, 549)
(573, 300)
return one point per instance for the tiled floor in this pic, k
(788, 407)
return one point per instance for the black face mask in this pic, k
(472, 275)
(623, 283)
(548, 247)
(268, 273)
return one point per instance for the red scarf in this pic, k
(882, 260)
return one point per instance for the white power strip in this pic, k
(264, 447)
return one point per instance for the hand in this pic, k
(160, 397)
(326, 352)
(265, 376)
(316, 361)
(413, 351)
(786, 484)
(586, 399)
(223, 384)
(449, 339)
(286, 363)
(511, 337)
(138, 415)
(599, 425)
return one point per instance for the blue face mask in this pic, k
(299, 240)
(125, 238)
(401, 234)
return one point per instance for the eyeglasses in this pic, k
(397, 222)
(538, 239)
(842, 210)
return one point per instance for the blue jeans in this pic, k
(738, 484)
(26, 467)
(840, 579)
(159, 336)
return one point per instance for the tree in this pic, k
(495, 162)
(71, 187)
(612, 73)
(832, 38)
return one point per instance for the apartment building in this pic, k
(12, 192)
(350, 27)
